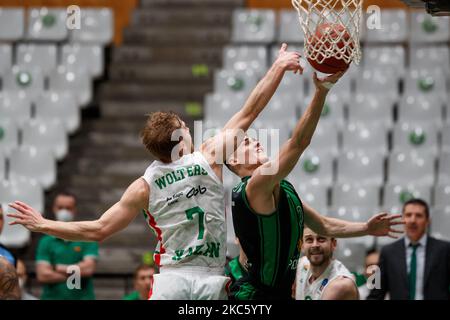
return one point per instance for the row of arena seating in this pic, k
(46, 75)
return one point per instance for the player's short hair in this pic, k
(419, 202)
(157, 134)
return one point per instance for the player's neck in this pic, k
(317, 271)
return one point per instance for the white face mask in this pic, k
(64, 215)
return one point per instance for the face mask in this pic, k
(64, 215)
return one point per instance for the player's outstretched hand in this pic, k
(289, 60)
(382, 225)
(26, 216)
(327, 83)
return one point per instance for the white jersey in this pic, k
(187, 213)
(306, 291)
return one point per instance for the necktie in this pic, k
(412, 272)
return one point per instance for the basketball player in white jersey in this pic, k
(319, 276)
(182, 196)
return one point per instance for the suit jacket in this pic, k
(394, 278)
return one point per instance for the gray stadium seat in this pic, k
(361, 168)
(49, 134)
(332, 112)
(313, 168)
(60, 106)
(290, 30)
(429, 57)
(427, 82)
(221, 107)
(15, 236)
(77, 57)
(12, 24)
(442, 194)
(79, 84)
(292, 85)
(354, 202)
(365, 136)
(280, 108)
(426, 29)
(2, 165)
(253, 26)
(371, 108)
(326, 138)
(316, 196)
(9, 135)
(421, 109)
(47, 24)
(443, 176)
(33, 163)
(394, 27)
(241, 58)
(407, 168)
(385, 57)
(5, 57)
(440, 223)
(445, 134)
(379, 82)
(43, 56)
(415, 137)
(97, 27)
(351, 252)
(22, 189)
(395, 195)
(29, 81)
(233, 82)
(15, 106)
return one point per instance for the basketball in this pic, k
(332, 33)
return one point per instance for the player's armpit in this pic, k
(341, 288)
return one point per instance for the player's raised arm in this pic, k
(258, 99)
(113, 220)
(262, 182)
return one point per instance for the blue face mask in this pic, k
(64, 215)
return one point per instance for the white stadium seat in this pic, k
(445, 134)
(15, 106)
(354, 202)
(233, 82)
(379, 82)
(2, 165)
(415, 137)
(385, 57)
(97, 27)
(27, 80)
(12, 24)
(421, 109)
(314, 168)
(221, 107)
(326, 138)
(47, 24)
(43, 56)
(22, 189)
(442, 195)
(406, 168)
(395, 195)
(253, 26)
(427, 82)
(5, 57)
(79, 84)
(440, 223)
(89, 58)
(394, 27)
(15, 236)
(316, 196)
(429, 57)
(361, 168)
(290, 30)
(365, 136)
(426, 29)
(245, 57)
(371, 108)
(443, 175)
(9, 135)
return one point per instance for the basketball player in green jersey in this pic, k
(268, 215)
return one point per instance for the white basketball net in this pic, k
(347, 13)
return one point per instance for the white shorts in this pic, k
(189, 283)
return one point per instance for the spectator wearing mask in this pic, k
(143, 280)
(22, 274)
(416, 267)
(55, 256)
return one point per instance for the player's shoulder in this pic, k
(343, 286)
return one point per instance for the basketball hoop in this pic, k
(341, 42)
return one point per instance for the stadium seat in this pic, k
(271, 134)
(294, 86)
(313, 168)
(22, 189)
(316, 196)
(445, 134)
(49, 134)
(5, 57)
(280, 108)
(394, 27)
(442, 194)
(241, 58)
(58, 106)
(15, 106)
(232, 82)
(12, 24)
(33, 163)
(415, 137)
(47, 24)
(440, 223)
(29, 81)
(354, 202)
(351, 252)
(332, 112)
(9, 135)
(385, 57)
(426, 29)
(379, 82)
(421, 109)
(79, 84)
(221, 107)
(76, 57)
(290, 30)
(361, 168)
(326, 138)
(429, 57)
(43, 56)
(443, 176)
(428, 82)
(406, 168)
(395, 195)
(253, 26)
(2, 165)
(371, 108)
(15, 236)
(97, 27)
(365, 136)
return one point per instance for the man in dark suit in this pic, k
(416, 267)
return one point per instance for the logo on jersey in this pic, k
(324, 283)
(212, 250)
(179, 175)
(195, 191)
(174, 199)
